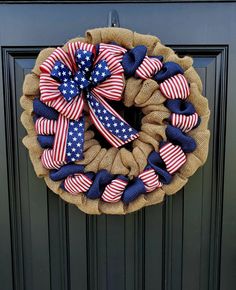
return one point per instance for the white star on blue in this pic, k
(71, 85)
(75, 140)
(114, 125)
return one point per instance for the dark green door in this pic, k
(188, 242)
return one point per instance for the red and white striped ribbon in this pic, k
(115, 141)
(58, 54)
(173, 156)
(149, 67)
(114, 190)
(45, 126)
(73, 46)
(175, 87)
(77, 183)
(48, 161)
(183, 122)
(60, 140)
(150, 179)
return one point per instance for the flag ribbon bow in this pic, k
(85, 74)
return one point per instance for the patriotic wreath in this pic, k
(68, 101)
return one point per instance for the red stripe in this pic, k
(77, 184)
(173, 156)
(114, 190)
(150, 180)
(175, 87)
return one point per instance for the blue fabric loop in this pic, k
(102, 178)
(132, 59)
(133, 190)
(177, 137)
(90, 175)
(65, 171)
(179, 106)
(43, 110)
(168, 70)
(46, 141)
(122, 177)
(160, 57)
(155, 162)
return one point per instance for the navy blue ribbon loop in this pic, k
(179, 106)
(168, 70)
(155, 162)
(65, 171)
(43, 110)
(46, 141)
(85, 77)
(102, 178)
(133, 190)
(132, 59)
(177, 137)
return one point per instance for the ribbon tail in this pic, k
(69, 140)
(109, 123)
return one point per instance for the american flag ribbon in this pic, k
(48, 161)
(150, 179)
(45, 126)
(175, 87)
(114, 190)
(68, 140)
(69, 80)
(110, 124)
(77, 183)
(173, 157)
(149, 67)
(184, 122)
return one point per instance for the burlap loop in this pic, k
(162, 50)
(132, 88)
(27, 121)
(156, 117)
(31, 85)
(149, 41)
(90, 154)
(146, 148)
(125, 164)
(200, 102)
(190, 166)
(193, 77)
(121, 36)
(144, 94)
(147, 89)
(140, 158)
(27, 104)
(176, 184)
(36, 161)
(108, 159)
(146, 138)
(112, 208)
(94, 165)
(154, 197)
(43, 55)
(31, 143)
(185, 62)
(137, 204)
(158, 132)
(155, 99)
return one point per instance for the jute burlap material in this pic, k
(144, 94)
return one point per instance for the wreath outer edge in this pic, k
(194, 160)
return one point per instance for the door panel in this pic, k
(188, 242)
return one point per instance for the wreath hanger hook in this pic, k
(113, 19)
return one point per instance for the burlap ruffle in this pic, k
(137, 92)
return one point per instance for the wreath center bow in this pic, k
(86, 76)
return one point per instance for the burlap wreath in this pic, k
(144, 94)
